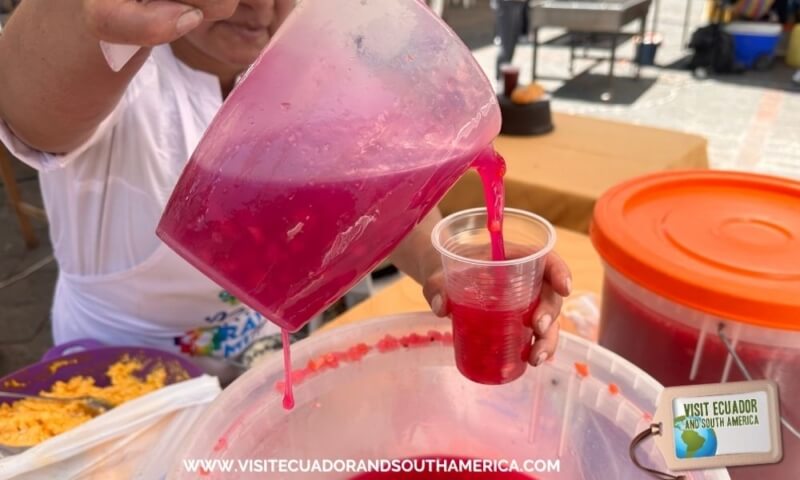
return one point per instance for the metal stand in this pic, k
(612, 58)
(611, 65)
(535, 40)
(686, 15)
(642, 30)
(572, 54)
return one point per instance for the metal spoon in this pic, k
(8, 451)
(97, 405)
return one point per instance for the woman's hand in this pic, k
(557, 284)
(417, 258)
(151, 22)
(60, 73)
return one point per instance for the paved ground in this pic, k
(751, 122)
(25, 305)
(750, 119)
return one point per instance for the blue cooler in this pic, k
(754, 43)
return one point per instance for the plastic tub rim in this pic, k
(756, 29)
(574, 345)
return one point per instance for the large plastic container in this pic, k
(690, 253)
(400, 402)
(754, 43)
(352, 124)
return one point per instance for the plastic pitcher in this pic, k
(352, 124)
(396, 393)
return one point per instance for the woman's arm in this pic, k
(55, 85)
(415, 255)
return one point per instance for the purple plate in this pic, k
(91, 358)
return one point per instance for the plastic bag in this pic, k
(582, 311)
(135, 440)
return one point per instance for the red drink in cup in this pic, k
(492, 342)
(492, 302)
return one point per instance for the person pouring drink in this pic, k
(110, 146)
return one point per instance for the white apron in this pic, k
(118, 283)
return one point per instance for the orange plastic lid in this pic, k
(724, 243)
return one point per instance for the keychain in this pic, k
(716, 425)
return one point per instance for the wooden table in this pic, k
(562, 174)
(405, 295)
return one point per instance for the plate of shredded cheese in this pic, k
(113, 374)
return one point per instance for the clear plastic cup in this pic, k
(492, 302)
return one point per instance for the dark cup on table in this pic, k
(510, 75)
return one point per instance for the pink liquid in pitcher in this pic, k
(289, 244)
(289, 249)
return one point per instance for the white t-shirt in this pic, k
(117, 282)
